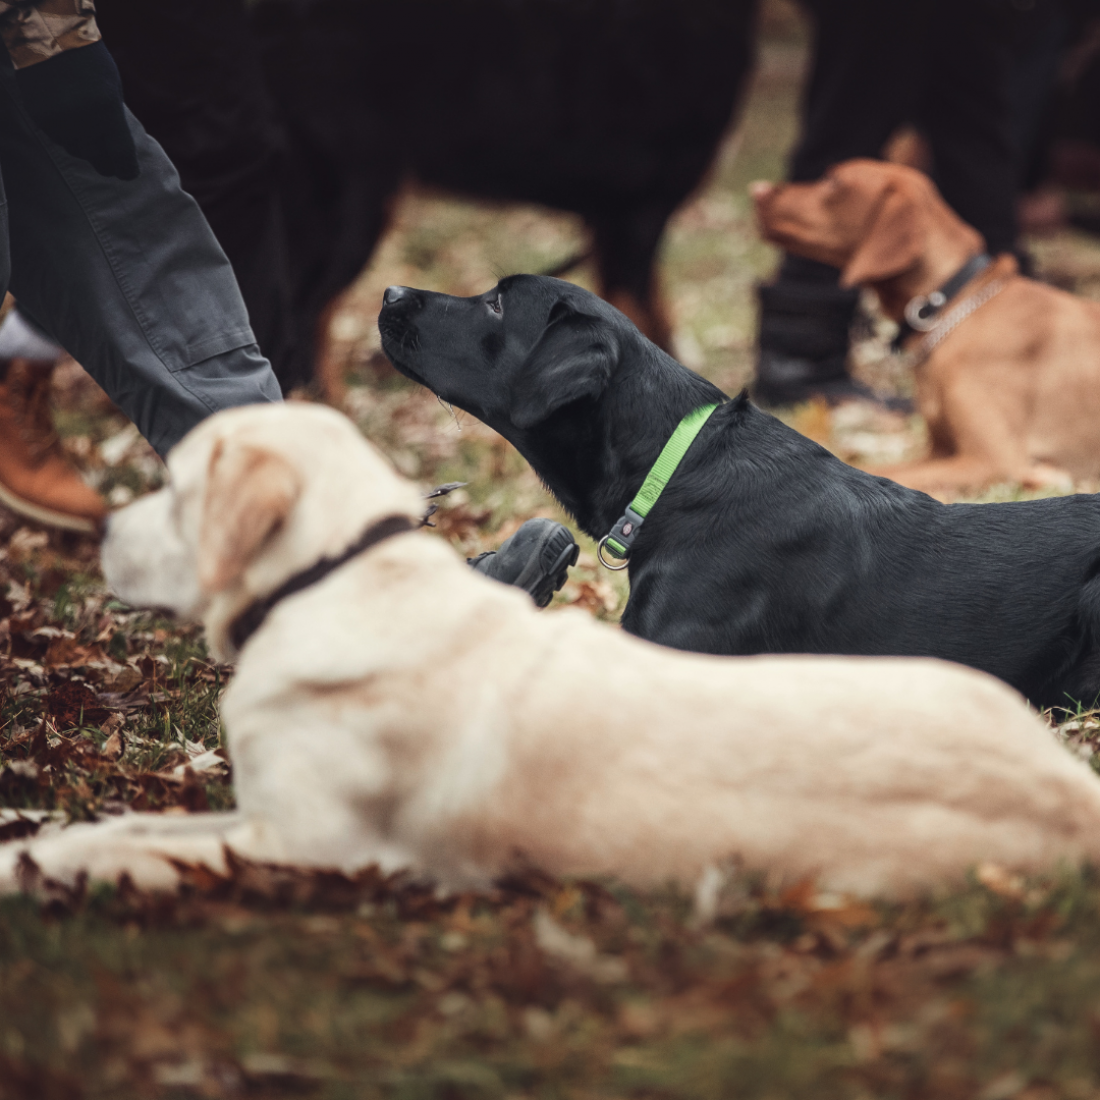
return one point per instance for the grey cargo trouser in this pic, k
(126, 276)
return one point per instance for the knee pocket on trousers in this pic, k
(194, 355)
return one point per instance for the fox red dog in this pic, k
(1008, 371)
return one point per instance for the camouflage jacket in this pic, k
(36, 30)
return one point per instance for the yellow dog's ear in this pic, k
(893, 240)
(249, 494)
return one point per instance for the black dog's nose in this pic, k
(395, 294)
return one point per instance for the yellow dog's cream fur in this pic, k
(408, 711)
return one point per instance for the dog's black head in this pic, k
(511, 356)
(561, 374)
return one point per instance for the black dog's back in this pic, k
(768, 543)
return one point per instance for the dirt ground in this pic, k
(270, 983)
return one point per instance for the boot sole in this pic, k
(553, 579)
(45, 516)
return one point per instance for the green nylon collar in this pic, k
(620, 538)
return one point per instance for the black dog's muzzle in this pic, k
(395, 294)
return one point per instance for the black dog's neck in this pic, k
(594, 458)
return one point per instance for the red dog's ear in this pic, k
(893, 241)
(249, 494)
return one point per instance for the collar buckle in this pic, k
(620, 539)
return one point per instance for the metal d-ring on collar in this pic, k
(626, 530)
(620, 538)
(922, 312)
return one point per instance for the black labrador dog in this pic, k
(762, 542)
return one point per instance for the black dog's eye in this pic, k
(495, 306)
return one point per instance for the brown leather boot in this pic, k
(37, 480)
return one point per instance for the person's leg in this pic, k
(802, 350)
(859, 89)
(37, 478)
(128, 278)
(1040, 41)
(966, 112)
(191, 74)
(861, 81)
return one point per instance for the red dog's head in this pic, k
(873, 220)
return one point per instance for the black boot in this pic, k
(803, 351)
(536, 558)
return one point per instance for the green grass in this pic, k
(375, 989)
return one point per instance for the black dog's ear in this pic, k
(574, 358)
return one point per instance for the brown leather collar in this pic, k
(251, 618)
(923, 311)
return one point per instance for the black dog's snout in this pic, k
(396, 294)
(397, 325)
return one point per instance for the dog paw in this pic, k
(1042, 475)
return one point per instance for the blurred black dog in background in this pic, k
(762, 542)
(293, 122)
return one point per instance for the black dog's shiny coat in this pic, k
(763, 542)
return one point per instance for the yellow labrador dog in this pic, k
(392, 705)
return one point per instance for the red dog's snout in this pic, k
(761, 189)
